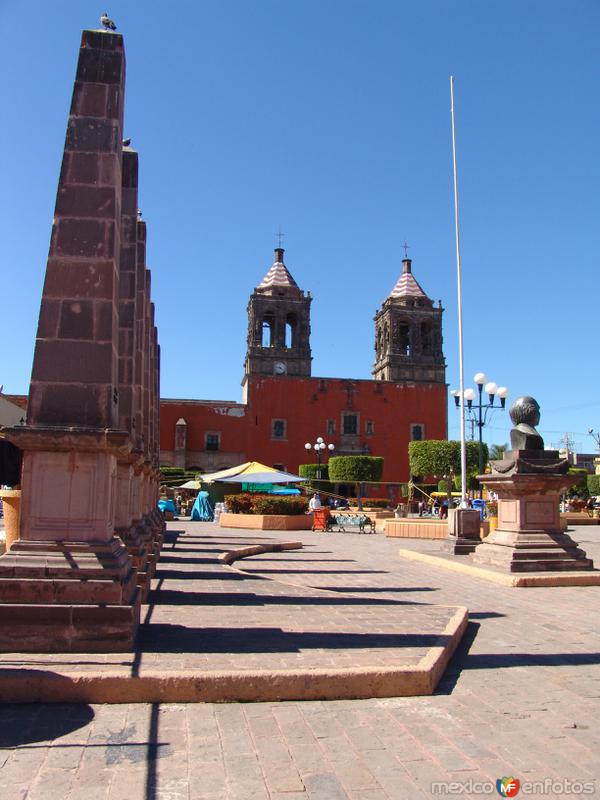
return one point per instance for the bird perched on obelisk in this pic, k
(107, 22)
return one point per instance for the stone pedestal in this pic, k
(529, 536)
(463, 531)
(68, 553)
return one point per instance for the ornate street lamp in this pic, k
(318, 447)
(478, 413)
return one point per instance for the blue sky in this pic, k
(331, 119)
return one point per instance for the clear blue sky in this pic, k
(331, 119)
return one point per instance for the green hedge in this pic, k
(265, 504)
(593, 484)
(310, 471)
(357, 469)
(581, 487)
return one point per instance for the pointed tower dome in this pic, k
(408, 334)
(407, 285)
(278, 277)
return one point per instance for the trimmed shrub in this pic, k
(357, 469)
(310, 471)
(581, 487)
(593, 484)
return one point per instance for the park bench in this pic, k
(344, 522)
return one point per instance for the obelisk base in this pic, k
(68, 597)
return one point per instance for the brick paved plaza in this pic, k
(520, 697)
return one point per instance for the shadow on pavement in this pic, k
(174, 597)
(457, 662)
(25, 724)
(505, 660)
(315, 571)
(205, 575)
(166, 638)
(353, 589)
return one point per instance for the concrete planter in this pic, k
(11, 500)
(416, 528)
(267, 522)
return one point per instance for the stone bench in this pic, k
(341, 522)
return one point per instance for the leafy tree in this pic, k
(580, 489)
(593, 484)
(356, 469)
(439, 458)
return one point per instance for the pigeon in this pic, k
(107, 22)
(126, 142)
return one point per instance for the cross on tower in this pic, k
(279, 236)
(406, 249)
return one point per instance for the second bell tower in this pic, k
(408, 334)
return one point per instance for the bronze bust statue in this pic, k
(525, 414)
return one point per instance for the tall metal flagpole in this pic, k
(463, 445)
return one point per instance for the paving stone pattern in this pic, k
(206, 616)
(521, 697)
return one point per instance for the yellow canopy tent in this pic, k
(251, 472)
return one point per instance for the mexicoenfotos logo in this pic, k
(508, 787)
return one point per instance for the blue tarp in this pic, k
(167, 505)
(268, 488)
(202, 510)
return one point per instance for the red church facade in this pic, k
(285, 407)
(359, 417)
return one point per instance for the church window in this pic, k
(213, 441)
(290, 330)
(350, 422)
(404, 338)
(369, 427)
(279, 429)
(417, 433)
(426, 339)
(268, 331)
(330, 427)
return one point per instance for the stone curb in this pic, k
(191, 686)
(524, 580)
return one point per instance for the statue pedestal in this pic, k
(529, 536)
(463, 531)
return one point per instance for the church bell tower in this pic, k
(278, 326)
(408, 334)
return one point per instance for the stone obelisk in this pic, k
(69, 582)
